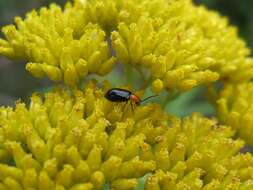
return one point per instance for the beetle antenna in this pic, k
(148, 98)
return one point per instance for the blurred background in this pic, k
(16, 83)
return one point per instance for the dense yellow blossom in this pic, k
(235, 108)
(76, 139)
(58, 45)
(190, 46)
(196, 153)
(182, 45)
(82, 141)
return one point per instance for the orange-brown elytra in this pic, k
(123, 95)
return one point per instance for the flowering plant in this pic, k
(73, 138)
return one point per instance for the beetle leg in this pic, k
(132, 106)
(124, 106)
(124, 109)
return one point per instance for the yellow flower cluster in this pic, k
(58, 44)
(235, 108)
(83, 141)
(180, 44)
(78, 140)
(184, 47)
(196, 153)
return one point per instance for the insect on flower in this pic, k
(123, 95)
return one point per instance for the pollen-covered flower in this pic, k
(177, 44)
(196, 153)
(73, 142)
(83, 141)
(184, 47)
(235, 108)
(58, 44)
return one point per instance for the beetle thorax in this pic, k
(135, 99)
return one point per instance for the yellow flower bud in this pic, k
(94, 61)
(29, 162)
(149, 60)
(132, 146)
(118, 45)
(30, 179)
(124, 184)
(159, 67)
(85, 186)
(65, 176)
(107, 66)
(110, 167)
(94, 158)
(192, 179)
(82, 68)
(70, 76)
(135, 50)
(163, 159)
(152, 183)
(50, 166)
(157, 86)
(45, 182)
(59, 187)
(59, 153)
(82, 172)
(10, 183)
(54, 73)
(73, 156)
(8, 171)
(98, 180)
(187, 84)
(168, 180)
(35, 69)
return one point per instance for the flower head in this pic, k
(58, 44)
(180, 44)
(75, 142)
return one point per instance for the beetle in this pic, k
(123, 95)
